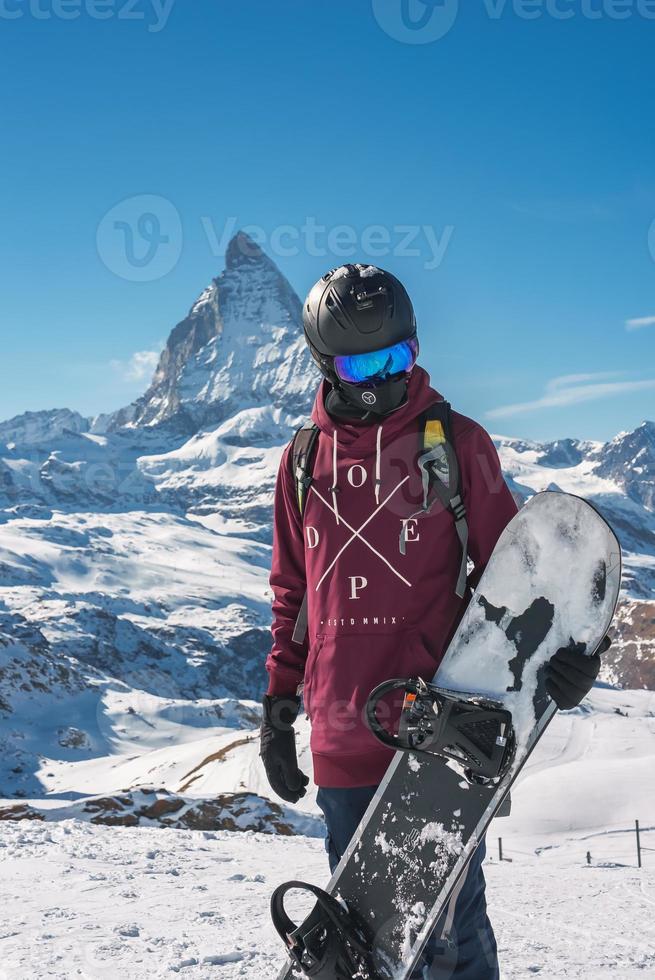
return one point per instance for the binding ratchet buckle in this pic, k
(473, 731)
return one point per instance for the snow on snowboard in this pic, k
(552, 580)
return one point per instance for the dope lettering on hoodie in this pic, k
(373, 612)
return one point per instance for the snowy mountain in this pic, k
(618, 478)
(240, 346)
(630, 460)
(41, 427)
(134, 552)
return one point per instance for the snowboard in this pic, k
(553, 580)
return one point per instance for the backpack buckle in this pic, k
(303, 477)
(458, 509)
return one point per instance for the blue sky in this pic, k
(516, 152)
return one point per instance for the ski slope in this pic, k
(108, 902)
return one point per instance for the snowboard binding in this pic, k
(472, 731)
(330, 944)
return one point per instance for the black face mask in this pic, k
(378, 400)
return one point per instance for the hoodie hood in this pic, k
(361, 436)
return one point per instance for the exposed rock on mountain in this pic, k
(150, 807)
(630, 461)
(630, 661)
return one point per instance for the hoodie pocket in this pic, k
(341, 672)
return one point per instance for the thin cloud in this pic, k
(568, 380)
(559, 393)
(638, 323)
(140, 366)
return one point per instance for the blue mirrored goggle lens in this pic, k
(378, 365)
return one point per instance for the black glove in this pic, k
(278, 747)
(570, 674)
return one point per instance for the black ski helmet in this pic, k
(359, 309)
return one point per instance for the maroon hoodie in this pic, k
(373, 612)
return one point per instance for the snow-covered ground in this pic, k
(91, 901)
(103, 902)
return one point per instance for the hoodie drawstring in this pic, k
(378, 481)
(334, 489)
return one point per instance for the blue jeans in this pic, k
(463, 947)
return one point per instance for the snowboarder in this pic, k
(369, 580)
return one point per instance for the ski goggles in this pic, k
(378, 365)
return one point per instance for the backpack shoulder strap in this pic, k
(440, 471)
(303, 450)
(302, 460)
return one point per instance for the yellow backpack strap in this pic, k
(433, 433)
(440, 472)
(302, 453)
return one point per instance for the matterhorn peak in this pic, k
(240, 346)
(243, 250)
